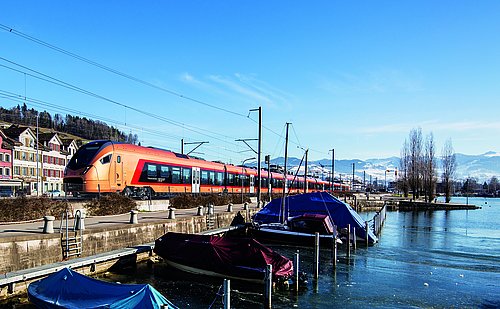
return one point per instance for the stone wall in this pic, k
(24, 252)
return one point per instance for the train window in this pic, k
(204, 177)
(211, 177)
(118, 159)
(219, 179)
(230, 180)
(176, 175)
(106, 159)
(151, 170)
(186, 175)
(165, 173)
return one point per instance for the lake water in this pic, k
(437, 259)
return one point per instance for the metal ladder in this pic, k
(210, 217)
(71, 238)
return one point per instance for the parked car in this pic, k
(53, 193)
(6, 193)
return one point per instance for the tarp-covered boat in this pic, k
(226, 257)
(69, 289)
(322, 203)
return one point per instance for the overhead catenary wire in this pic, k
(57, 108)
(128, 76)
(56, 81)
(114, 71)
(138, 80)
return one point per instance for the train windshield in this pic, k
(85, 154)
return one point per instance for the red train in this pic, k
(106, 166)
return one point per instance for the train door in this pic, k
(118, 172)
(252, 179)
(195, 182)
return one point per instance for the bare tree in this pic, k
(429, 168)
(449, 162)
(415, 161)
(404, 163)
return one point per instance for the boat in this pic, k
(298, 230)
(70, 289)
(242, 259)
(278, 217)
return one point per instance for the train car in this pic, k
(107, 166)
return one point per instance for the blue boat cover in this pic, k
(340, 213)
(69, 289)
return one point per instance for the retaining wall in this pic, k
(23, 252)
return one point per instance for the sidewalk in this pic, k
(30, 228)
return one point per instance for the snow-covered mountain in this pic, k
(482, 167)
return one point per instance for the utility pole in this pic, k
(333, 170)
(37, 160)
(353, 176)
(182, 146)
(259, 150)
(285, 174)
(305, 174)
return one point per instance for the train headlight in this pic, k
(86, 169)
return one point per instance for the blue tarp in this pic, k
(340, 213)
(69, 289)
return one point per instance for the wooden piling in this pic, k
(366, 232)
(227, 294)
(316, 255)
(269, 286)
(348, 240)
(354, 238)
(297, 269)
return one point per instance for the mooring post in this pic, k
(366, 232)
(48, 224)
(171, 213)
(210, 209)
(133, 217)
(316, 255)
(200, 211)
(348, 240)
(245, 206)
(297, 264)
(334, 246)
(79, 220)
(230, 207)
(227, 294)
(269, 285)
(354, 237)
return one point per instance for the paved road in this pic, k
(20, 229)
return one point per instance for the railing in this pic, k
(379, 219)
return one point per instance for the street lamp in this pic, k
(242, 175)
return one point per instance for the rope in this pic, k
(218, 294)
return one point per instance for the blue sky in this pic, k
(351, 75)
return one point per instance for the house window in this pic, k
(7, 157)
(7, 171)
(16, 170)
(17, 155)
(1, 156)
(1, 171)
